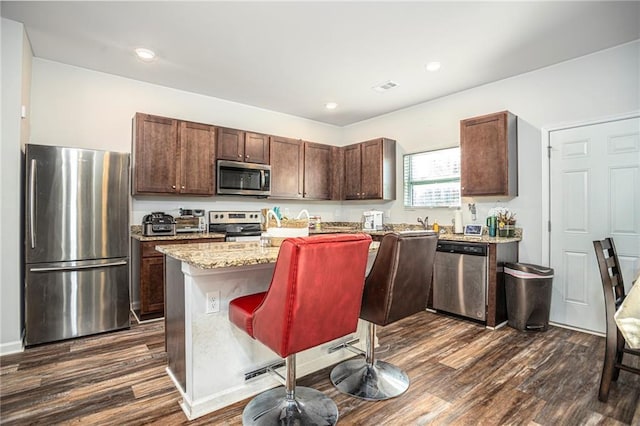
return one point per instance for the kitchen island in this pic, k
(212, 363)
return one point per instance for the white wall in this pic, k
(78, 107)
(594, 86)
(15, 82)
(81, 108)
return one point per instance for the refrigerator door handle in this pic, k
(71, 268)
(32, 202)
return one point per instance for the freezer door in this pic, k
(72, 299)
(77, 204)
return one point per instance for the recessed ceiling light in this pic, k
(433, 66)
(331, 105)
(145, 54)
(383, 87)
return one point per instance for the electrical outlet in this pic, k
(213, 302)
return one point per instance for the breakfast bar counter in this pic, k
(212, 363)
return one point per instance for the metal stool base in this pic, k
(370, 382)
(310, 407)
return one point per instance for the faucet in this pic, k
(425, 222)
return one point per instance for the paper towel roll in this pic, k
(457, 222)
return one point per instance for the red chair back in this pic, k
(315, 293)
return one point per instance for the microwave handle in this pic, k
(262, 179)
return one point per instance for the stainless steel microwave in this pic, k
(236, 178)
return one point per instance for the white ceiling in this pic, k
(293, 57)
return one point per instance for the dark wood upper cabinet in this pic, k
(369, 170)
(337, 173)
(287, 156)
(197, 158)
(172, 156)
(230, 144)
(238, 145)
(352, 171)
(317, 171)
(256, 148)
(178, 157)
(489, 155)
(155, 145)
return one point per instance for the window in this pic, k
(432, 178)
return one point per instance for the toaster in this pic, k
(158, 223)
(187, 224)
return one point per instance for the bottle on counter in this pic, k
(436, 227)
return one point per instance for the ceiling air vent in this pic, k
(383, 87)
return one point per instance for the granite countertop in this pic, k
(225, 255)
(446, 233)
(136, 232)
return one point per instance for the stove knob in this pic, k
(221, 216)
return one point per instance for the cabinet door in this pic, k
(352, 172)
(371, 186)
(155, 148)
(256, 148)
(230, 144)
(152, 286)
(286, 167)
(197, 143)
(317, 171)
(337, 173)
(488, 162)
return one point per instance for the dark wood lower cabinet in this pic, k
(147, 275)
(151, 288)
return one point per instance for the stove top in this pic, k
(234, 217)
(235, 223)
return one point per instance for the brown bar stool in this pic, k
(397, 286)
(314, 297)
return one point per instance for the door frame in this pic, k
(546, 174)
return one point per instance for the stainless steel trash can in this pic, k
(528, 291)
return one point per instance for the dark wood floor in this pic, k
(461, 374)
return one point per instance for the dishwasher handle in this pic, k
(472, 249)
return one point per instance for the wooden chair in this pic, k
(614, 294)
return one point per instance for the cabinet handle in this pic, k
(247, 157)
(173, 187)
(239, 155)
(182, 187)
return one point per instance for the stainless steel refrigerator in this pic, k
(76, 242)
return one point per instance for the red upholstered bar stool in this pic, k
(314, 297)
(397, 287)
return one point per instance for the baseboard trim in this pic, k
(11, 347)
(582, 330)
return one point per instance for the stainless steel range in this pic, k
(236, 225)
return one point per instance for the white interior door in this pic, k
(594, 194)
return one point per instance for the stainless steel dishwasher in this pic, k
(460, 279)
